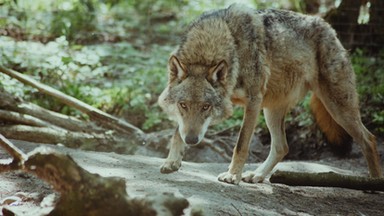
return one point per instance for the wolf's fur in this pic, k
(260, 59)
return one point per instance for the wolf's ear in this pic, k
(176, 69)
(218, 73)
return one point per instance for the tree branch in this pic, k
(18, 156)
(103, 118)
(220, 151)
(329, 179)
(12, 103)
(92, 141)
(19, 118)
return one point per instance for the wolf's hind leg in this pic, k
(345, 112)
(176, 152)
(279, 148)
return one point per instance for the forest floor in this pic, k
(24, 194)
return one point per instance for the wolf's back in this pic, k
(207, 41)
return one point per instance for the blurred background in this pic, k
(112, 54)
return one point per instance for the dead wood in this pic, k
(18, 156)
(84, 193)
(87, 141)
(328, 179)
(45, 135)
(57, 128)
(11, 103)
(18, 118)
(220, 151)
(97, 115)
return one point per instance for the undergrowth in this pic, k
(113, 55)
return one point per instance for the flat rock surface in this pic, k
(27, 195)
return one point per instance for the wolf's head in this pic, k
(196, 97)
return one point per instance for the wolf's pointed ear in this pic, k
(218, 73)
(176, 69)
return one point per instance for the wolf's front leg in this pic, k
(240, 152)
(176, 152)
(279, 147)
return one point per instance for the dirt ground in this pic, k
(26, 195)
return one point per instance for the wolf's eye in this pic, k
(206, 107)
(183, 105)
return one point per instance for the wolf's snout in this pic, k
(191, 139)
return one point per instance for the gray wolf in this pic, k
(260, 59)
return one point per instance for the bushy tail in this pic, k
(338, 139)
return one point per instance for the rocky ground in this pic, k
(26, 195)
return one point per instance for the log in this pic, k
(328, 179)
(95, 114)
(86, 141)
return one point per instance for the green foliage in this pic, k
(49, 18)
(370, 85)
(125, 71)
(115, 77)
(73, 18)
(234, 120)
(120, 78)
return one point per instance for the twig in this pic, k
(238, 211)
(225, 131)
(222, 152)
(15, 152)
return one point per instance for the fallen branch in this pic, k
(84, 193)
(101, 117)
(86, 141)
(220, 151)
(9, 102)
(15, 152)
(18, 156)
(329, 179)
(15, 117)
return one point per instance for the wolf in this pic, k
(260, 59)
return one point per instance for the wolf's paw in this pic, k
(252, 177)
(230, 178)
(170, 166)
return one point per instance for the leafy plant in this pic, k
(74, 18)
(370, 85)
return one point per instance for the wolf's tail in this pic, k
(338, 139)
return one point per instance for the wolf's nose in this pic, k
(191, 140)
